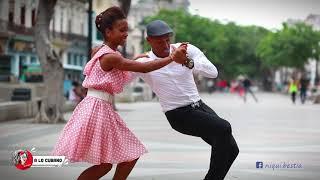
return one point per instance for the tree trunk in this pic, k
(125, 6)
(50, 110)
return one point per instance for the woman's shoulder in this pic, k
(104, 50)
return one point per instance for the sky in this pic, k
(266, 13)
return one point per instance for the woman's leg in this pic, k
(123, 170)
(95, 172)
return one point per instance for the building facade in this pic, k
(69, 32)
(17, 41)
(69, 29)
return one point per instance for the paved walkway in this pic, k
(272, 131)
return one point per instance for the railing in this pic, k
(19, 29)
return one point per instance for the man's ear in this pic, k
(148, 39)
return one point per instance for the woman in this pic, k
(95, 133)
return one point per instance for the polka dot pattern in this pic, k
(112, 81)
(95, 133)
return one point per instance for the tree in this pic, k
(52, 101)
(230, 47)
(291, 46)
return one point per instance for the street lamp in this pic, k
(89, 39)
(142, 27)
(317, 64)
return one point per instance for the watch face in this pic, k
(190, 63)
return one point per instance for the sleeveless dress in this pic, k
(95, 133)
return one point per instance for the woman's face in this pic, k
(119, 32)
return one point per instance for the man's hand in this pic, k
(179, 55)
(95, 50)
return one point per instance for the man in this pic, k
(178, 95)
(304, 83)
(247, 89)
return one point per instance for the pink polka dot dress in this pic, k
(95, 133)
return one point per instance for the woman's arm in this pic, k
(110, 61)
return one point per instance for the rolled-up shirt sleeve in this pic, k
(202, 65)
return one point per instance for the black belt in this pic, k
(192, 105)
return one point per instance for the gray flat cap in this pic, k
(158, 28)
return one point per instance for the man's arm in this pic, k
(140, 58)
(202, 65)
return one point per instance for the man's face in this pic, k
(160, 44)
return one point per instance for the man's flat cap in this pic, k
(158, 28)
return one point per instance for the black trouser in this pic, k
(201, 121)
(293, 97)
(303, 95)
(246, 91)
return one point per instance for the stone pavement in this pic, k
(272, 131)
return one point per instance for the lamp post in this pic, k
(141, 27)
(317, 79)
(89, 39)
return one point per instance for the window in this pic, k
(23, 15)
(54, 25)
(23, 60)
(82, 60)
(69, 58)
(78, 60)
(82, 29)
(33, 60)
(69, 26)
(5, 66)
(75, 57)
(33, 17)
(11, 11)
(61, 21)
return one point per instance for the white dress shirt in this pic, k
(174, 84)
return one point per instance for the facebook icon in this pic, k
(259, 164)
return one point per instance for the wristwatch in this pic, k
(189, 63)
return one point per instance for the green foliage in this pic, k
(238, 49)
(289, 47)
(229, 46)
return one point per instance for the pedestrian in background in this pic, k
(304, 83)
(247, 89)
(293, 89)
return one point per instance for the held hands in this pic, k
(179, 55)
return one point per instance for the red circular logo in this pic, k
(23, 159)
